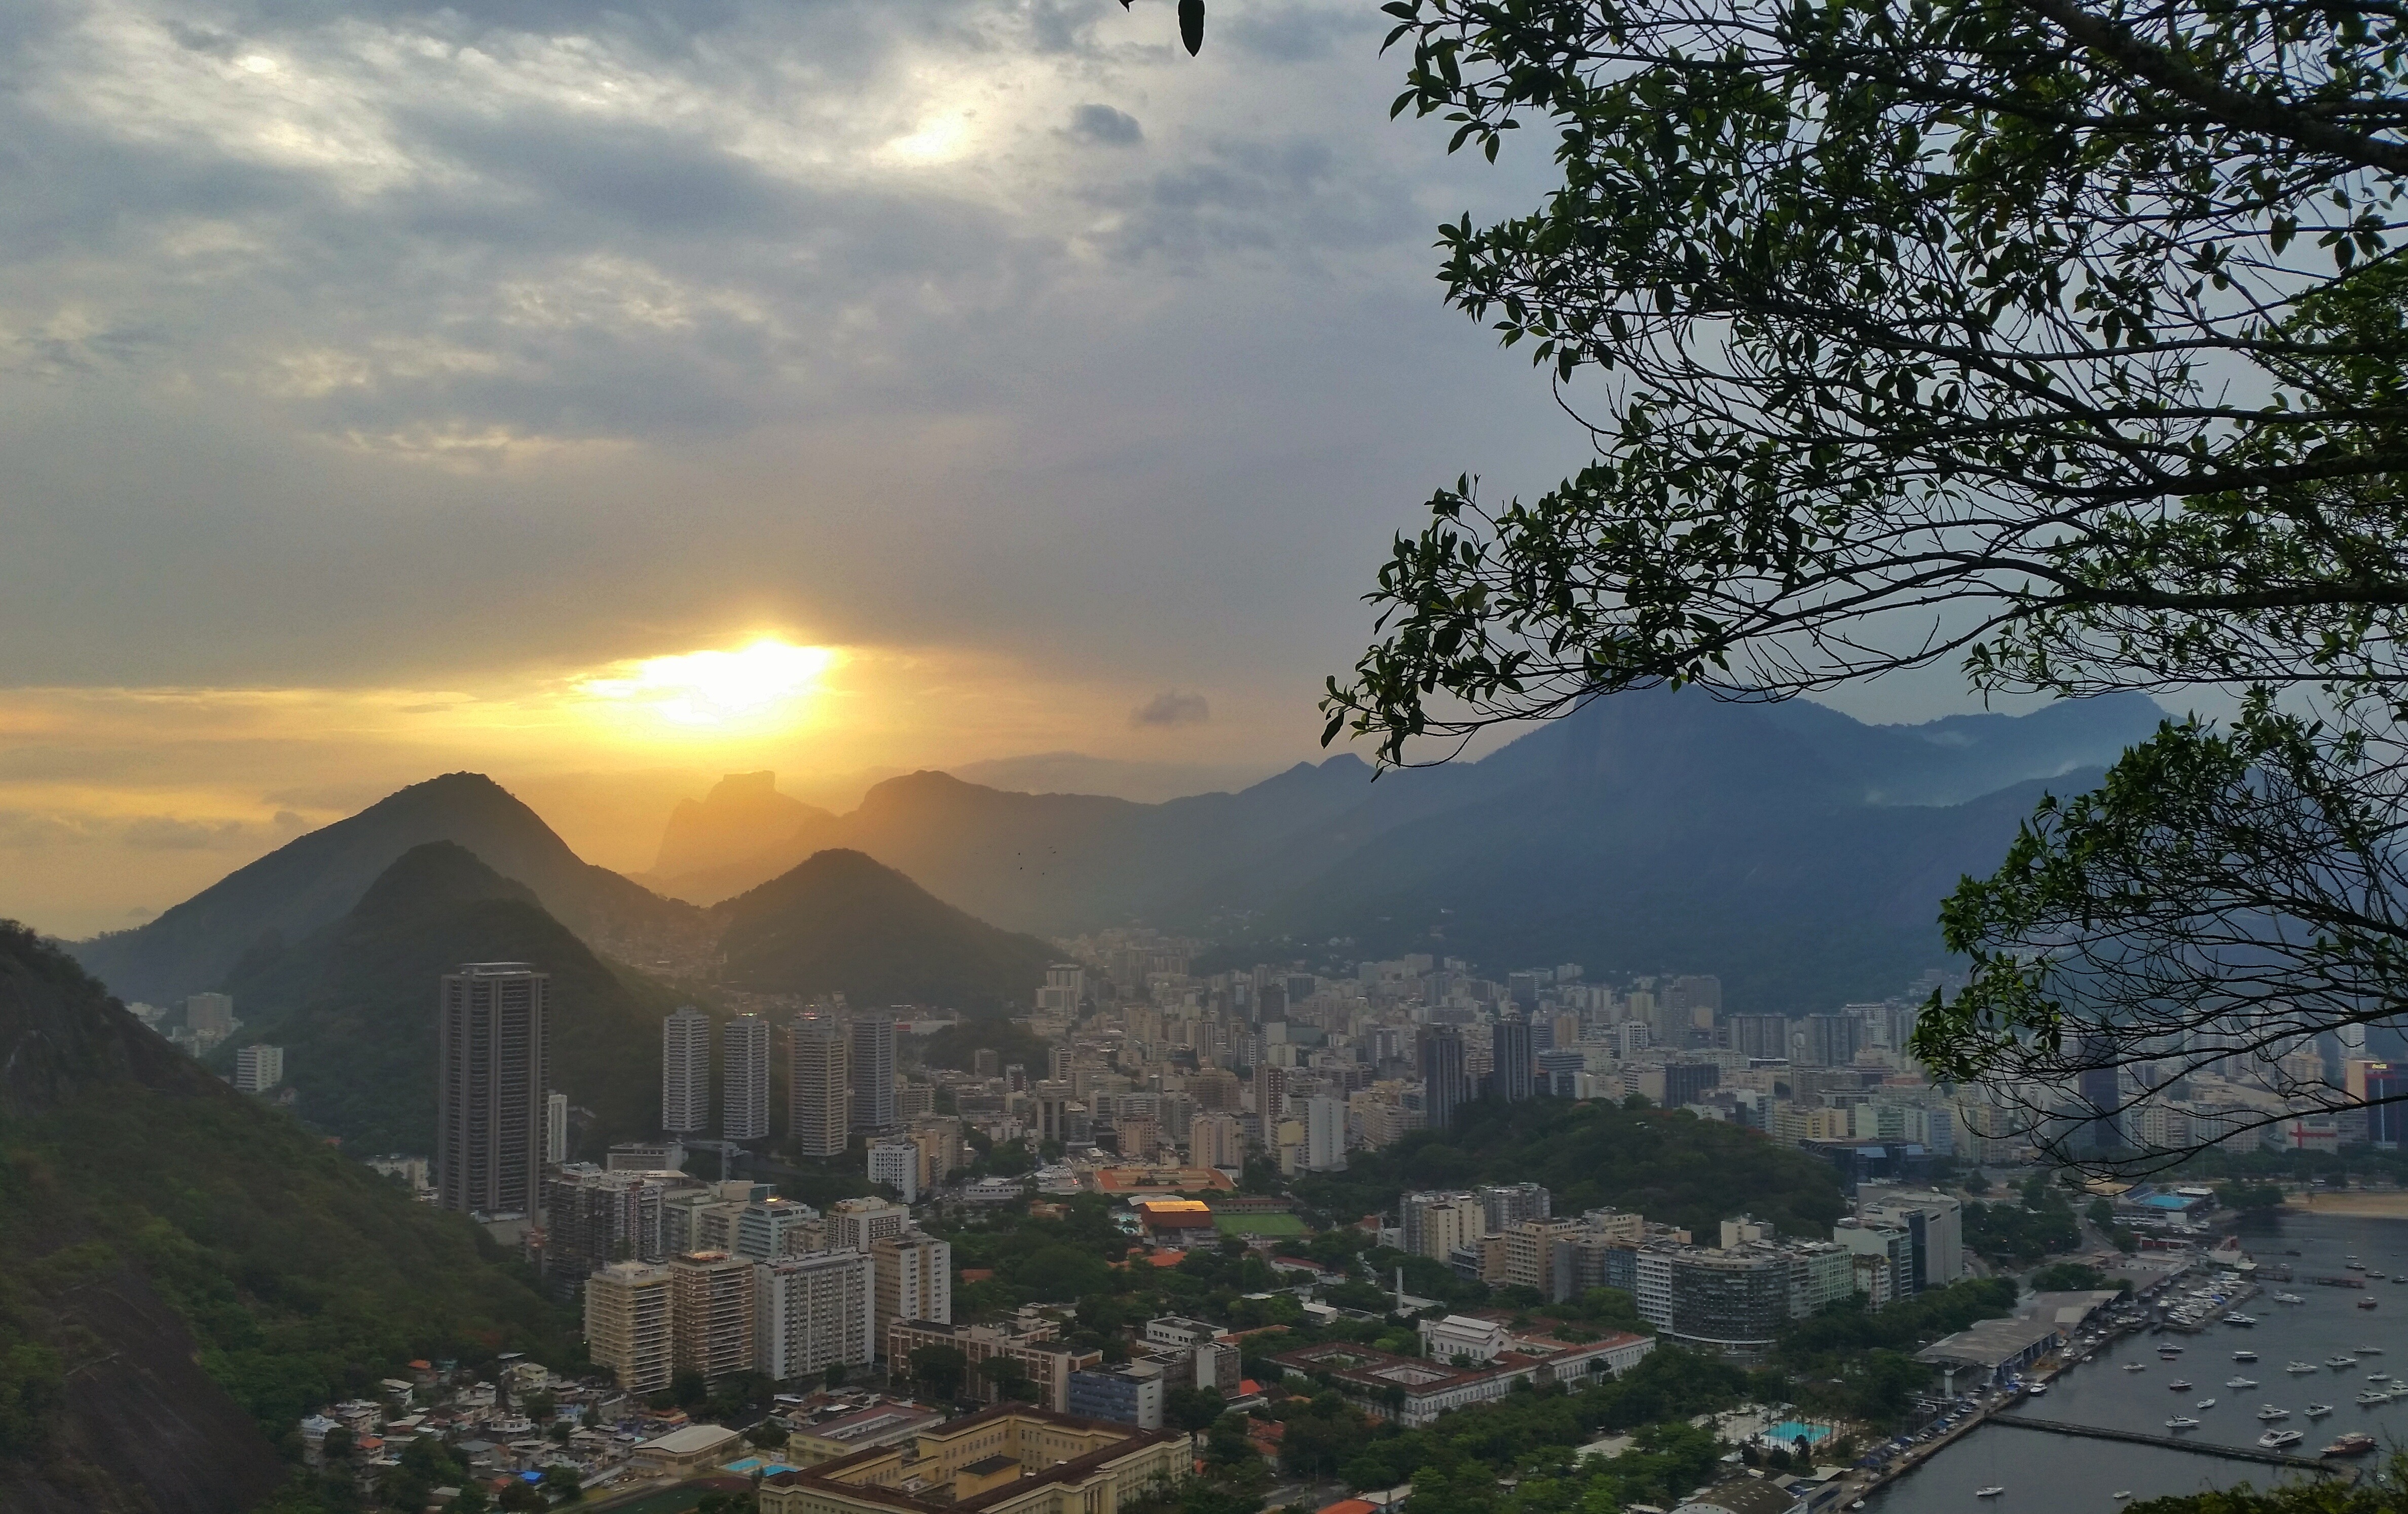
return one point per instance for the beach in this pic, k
(2358, 1203)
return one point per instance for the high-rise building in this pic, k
(914, 1276)
(1699, 998)
(686, 1072)
(593, 1217)
(209, 1014)
(491, 1075)
(1506, 1204)
(1758, 1035)
(768, 1228)
(1445, 1086)
(986, 1062)
(1213, 1141)
(873, 1073)
(1064, 985)
(1057, 1063)
(1559, 1073)
(896, 1164)
(853, 1224)
(1829, 1040)
(1436, 1223)
(1510, 1075)
(810, 1312)
(744, 1079)
(627, 1326)
(258, 1068)
(1270, 1096)
(1325, 1133)
(555, 1129)
(816, 1080)
(710, 1313)
(1935, 1226)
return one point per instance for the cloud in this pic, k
(1171, 707)
(1102, 123)
(166, 833)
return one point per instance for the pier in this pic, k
(2140, 1437)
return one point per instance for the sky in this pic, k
(606, 398)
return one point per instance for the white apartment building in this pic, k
(811, 1311)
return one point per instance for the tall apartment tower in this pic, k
(492, 1074)
(816, 1086)
(873, 1073)
(1445, 1085)
(258, 1068)
(811, 1311)
(686, 1072)
(627, 1324)
(744, 1079)
(915, 1280)
(555, 1129)
(1213, 1141)
(710, 1313)
(1510, 1077)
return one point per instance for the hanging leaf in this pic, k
(1191, 25)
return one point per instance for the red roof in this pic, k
(1248, 1385)
(977, 1274)
(1167, 1258)
(1350, 1506)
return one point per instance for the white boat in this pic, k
(2205, 1403)
(2300, 1366)
(1991, 1492)
(2317, 1411)
(2373, 1396)
(2368, 1351)
(2244, 1354)
(2277, 1439)
(2120, 1494)
(2036, 1390)
(2337, 1362)
(2378, 1376)
(2270, 1413)
(2288, 1298)
(2240, 1382)
(2240, 1319)
(2182, 1421)
(2135, 1366)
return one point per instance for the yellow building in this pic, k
(1011, 1459)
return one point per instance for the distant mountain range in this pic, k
(1800, 853)
(1796, 852)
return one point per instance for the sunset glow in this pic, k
(765, 685)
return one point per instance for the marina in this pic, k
(2107, 1407)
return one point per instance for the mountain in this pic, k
(1800, 853)
(742, 816)
(304, 885)
(840, 923)
(184, 1271)
(353, 1003)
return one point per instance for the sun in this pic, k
(765, 684)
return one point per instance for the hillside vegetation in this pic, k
(1671, 1167)
(842, 923)
(184, 1271)
(353, 1005)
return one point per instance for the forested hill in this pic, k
(353, 1005)
(1669, 1166)
(184, 1272)
(840, 923)
(314, 880)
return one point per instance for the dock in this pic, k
(2200, 1448)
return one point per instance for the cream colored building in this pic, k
(627, 1324)
(914, 1276)
(710, 1313)
(1008, 1460)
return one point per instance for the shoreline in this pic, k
(2356, 1203)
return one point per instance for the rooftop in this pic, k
(691, 1440)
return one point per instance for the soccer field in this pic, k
(1258, 1224)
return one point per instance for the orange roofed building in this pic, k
(1171, 1219)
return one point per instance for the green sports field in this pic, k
(1258, 1224)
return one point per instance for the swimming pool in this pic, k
(752, 1464)
(1789, 1431)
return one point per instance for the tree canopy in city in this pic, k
(2062, 341)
